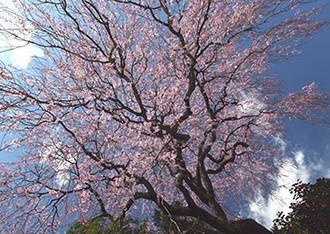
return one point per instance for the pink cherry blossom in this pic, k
(149, 102)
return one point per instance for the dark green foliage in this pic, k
(102, 225)
(310, 209)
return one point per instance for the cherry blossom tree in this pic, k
(142, 103)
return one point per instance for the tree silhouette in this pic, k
(174, 224)
(142, 103)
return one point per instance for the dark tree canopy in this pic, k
(310, 209)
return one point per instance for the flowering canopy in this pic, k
(147, 100)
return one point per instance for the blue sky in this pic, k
(312, 65)
(308, 147)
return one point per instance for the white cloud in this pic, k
(61, 163)
(327, 175)
(22, 56)
(280, 142)
(22, 52)
(250, 104)
(264, 210)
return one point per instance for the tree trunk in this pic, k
(243, 226)
(246, 226)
